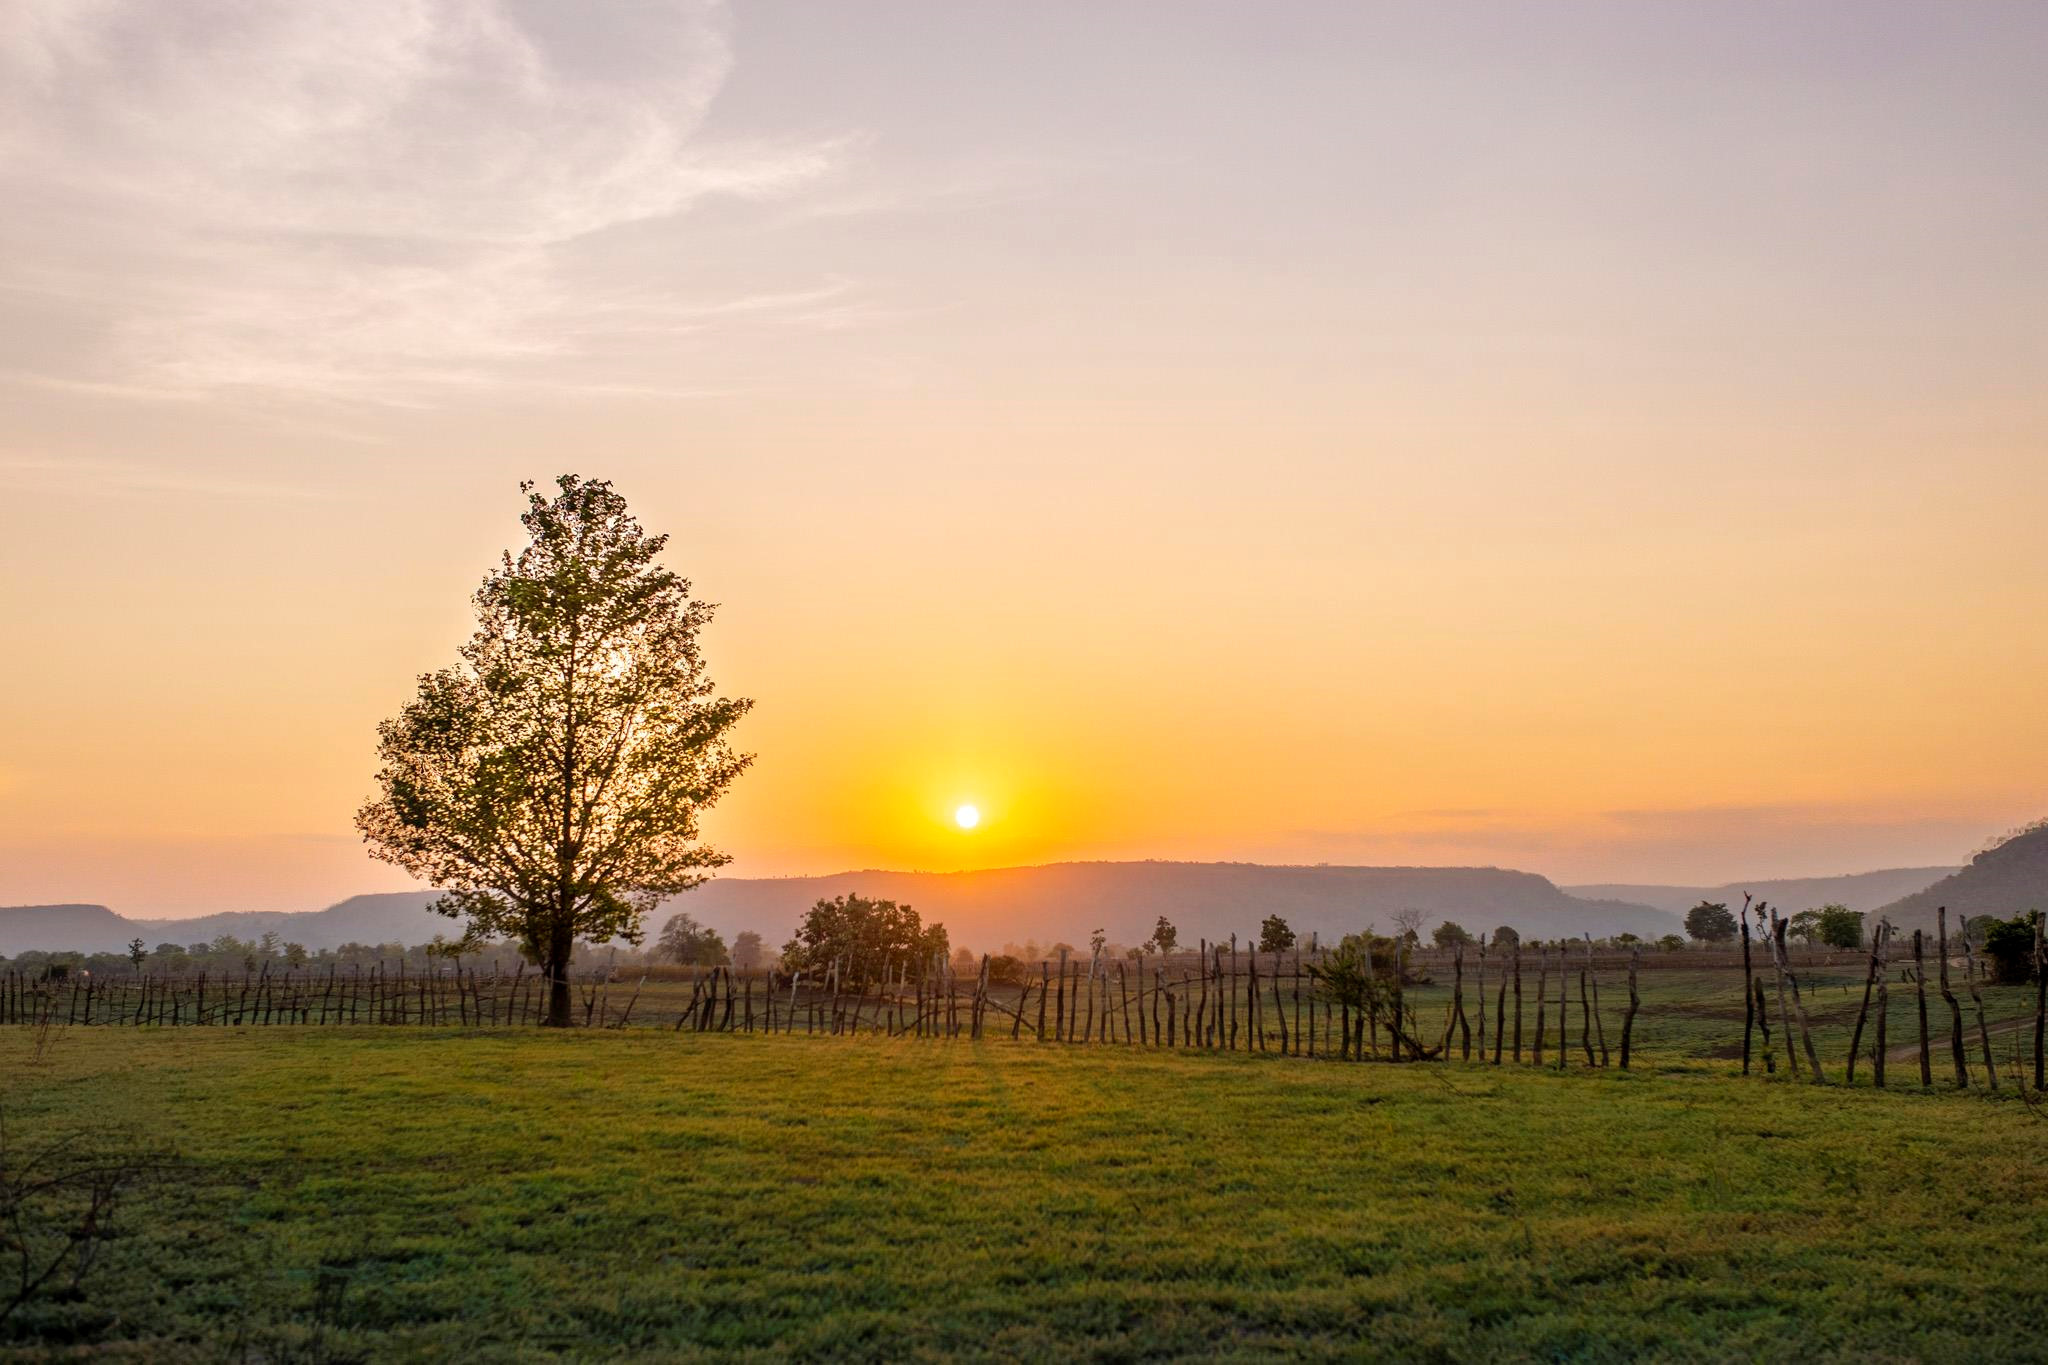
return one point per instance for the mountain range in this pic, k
(1860, 891)
(983, 909)
(1067, 901)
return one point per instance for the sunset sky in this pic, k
(1606, 440)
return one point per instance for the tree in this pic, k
(136, 952)
(2009, 944)
(965, 964)
(295, 954)
(1671, 943)
(1841, 927)
(1450, 934)
(1626, 940)
(1506, 937)
(1805, 926)
(1164, 937)
(1710, 922)
(1408, 923)
(689, 943)
(1097, 941)
(747, 952)
(865, 937)
(550, 786)
(1275, 936)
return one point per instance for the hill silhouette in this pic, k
(2009, 878)
(1862, 891)
(1067, 901)
(981, 909)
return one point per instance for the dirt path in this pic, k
(1938, 1044)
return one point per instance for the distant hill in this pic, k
(982, 909)
(1213, 900)
(1862, 891)
(2007, 879)
(399, 916)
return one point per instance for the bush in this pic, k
(2009, 944)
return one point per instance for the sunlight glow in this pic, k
(967, 817)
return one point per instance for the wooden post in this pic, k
(1869, 985)
(1585, 1018)
(1884, 1002)
(1628, 1021)
(1778, 974)
(1748, 1003)
(1798, 1007)
(1123, 995)
(1458, 1001)
(1977, 998)
(1593, 979)
(2040, 998)
(1500, 1017)
(1517, 961)
(1955, 1009)
(1482, 997)
(1920, 991)
(1542, 1004)
(1059, 1021)
(1044, 988)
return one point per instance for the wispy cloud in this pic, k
(360, 198)
(128, 478)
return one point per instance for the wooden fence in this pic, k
(1543, 1006)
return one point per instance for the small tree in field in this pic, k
(688, 943)
(1275, 935)
(747, 950)
(1164, 937)
(1841, 927)
(137, 952)
(1506, 937)
(550, 786)
(1450, 934)
(1710, 922)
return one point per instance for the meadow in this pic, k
(355, 1193)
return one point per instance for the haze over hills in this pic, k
(1860, 891)
(981, 909)
(399, 916)
(2007, 879)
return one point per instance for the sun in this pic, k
(967, 817)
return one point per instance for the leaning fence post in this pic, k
(1869, 984)
(1955, 1009)
(1628, 1021)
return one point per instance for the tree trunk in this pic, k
(560, 944)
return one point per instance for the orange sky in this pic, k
(1610, 446)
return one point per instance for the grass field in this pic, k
(354, 1194)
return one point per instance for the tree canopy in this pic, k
(1164, 936)
(1710, 922)
(1275, 935)
(864, 937)
(550, 785)
(685, 941)
(1450, 934)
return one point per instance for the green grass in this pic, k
(521, 1195)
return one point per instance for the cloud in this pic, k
(358, 198)
(125, 478)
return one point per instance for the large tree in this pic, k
(550, 786)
